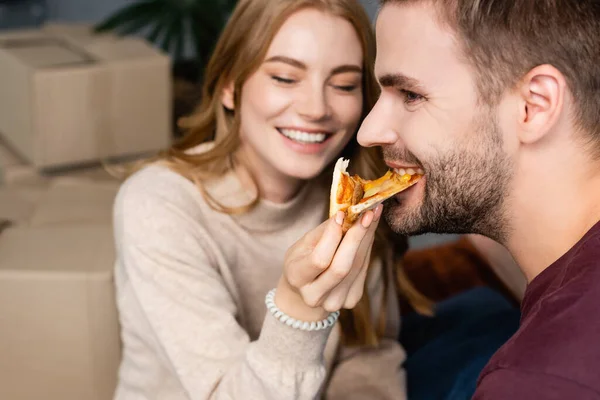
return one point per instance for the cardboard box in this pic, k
(59, 337)
(59, 330)
(71, 97)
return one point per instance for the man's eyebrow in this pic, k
(287, 60)
(399, 80)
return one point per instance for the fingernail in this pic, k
(339, 218)
(367, 219)
(378, 212)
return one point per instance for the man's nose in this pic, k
(377, 128)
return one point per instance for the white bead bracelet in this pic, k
(294, 323)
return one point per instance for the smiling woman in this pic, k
(210, 227)
(302, 105)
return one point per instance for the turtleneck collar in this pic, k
(265, 216)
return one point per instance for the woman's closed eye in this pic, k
(283, 80)
(346, 81)
(346, 88)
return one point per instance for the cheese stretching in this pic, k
(355, 195)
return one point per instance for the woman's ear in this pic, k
(542, 93)
(227, 96)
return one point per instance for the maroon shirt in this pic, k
(555, 354)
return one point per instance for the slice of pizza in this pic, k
(355, 195)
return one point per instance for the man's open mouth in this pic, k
(409, 171)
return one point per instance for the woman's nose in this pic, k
(313, 104)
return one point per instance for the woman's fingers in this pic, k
(330, 269)
(349, 291)
(323, 253)
(314, 253)
(357, 287)
(341, 266)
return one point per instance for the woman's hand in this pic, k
(325, 270)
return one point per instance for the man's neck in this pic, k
(551, 211)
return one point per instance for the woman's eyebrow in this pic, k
(299, 64)
(287, 60)
(347, 68)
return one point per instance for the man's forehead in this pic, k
(411, 41)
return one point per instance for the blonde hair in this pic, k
(239, 52)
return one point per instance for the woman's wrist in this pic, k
(289, 301)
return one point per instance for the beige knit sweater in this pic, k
(191, 284)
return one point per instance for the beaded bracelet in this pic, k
(294, 323)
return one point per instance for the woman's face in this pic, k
(303, 104)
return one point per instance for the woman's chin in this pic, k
(303, 173)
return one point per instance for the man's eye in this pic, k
(279, 79)
(411, 97)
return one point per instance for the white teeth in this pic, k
(303, 137)
(409, 171)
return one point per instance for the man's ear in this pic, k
(542, 93)
(228, 97)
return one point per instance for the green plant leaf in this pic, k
(158, 28)
(209, 15)
(171, 22)
(133, 12)
(179, 40)
(136, 25)
(201, 40)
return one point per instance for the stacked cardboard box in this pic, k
(70, 97)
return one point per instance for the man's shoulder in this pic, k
(522, 384)
(559, 336)
(584, 263)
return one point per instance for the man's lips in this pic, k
(398, 165)
(402, 169)
(407, 194)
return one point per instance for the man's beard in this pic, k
(465, 189)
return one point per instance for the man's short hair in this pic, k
(504, 39)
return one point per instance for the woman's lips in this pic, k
(305, 142)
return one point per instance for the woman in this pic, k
(208, 228)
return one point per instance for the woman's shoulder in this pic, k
(155, 180)
(158, 179)
(155, 190)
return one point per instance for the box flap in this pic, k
(75, 201)
(19, 34)
(66, 44)
(43, 52)
(18, 203)
(79, 251)
(8, 156)
(78, 35)
(73, 30)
